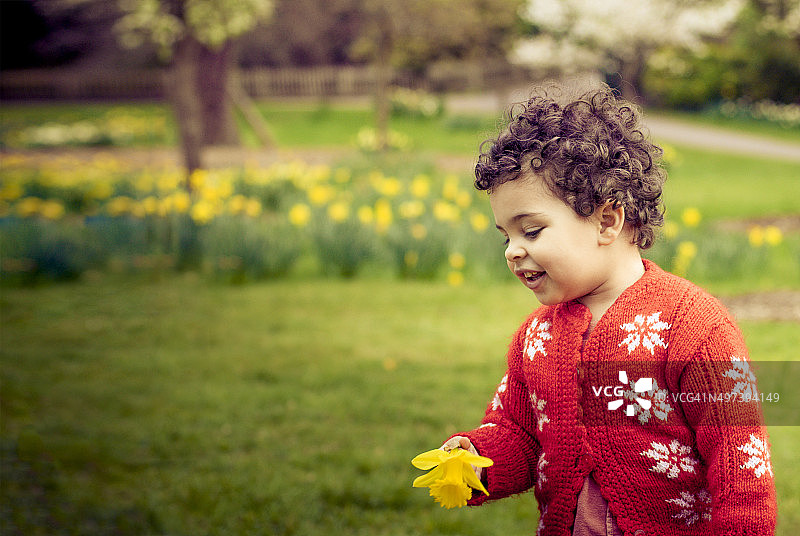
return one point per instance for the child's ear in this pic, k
(610, 222)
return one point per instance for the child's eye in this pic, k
(533, 234)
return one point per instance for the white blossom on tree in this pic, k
(617, 35)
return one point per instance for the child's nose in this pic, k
(514, 252)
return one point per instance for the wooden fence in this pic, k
(72, 84)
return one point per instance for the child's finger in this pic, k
(455, 442)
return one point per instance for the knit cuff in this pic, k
(511, 472)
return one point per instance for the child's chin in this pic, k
(546, 299)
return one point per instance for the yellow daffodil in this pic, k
(299, 215)
(450, 187)
(773, 235)
(252, 207)
(320, 194)
(452, 475)
(119, 206)
(463, 199)
(411, 209)
(383, 215)
(671, 155)
(339, 211)
(691, 217)
(11, 191)
(52, 209)
(419, 231)
(167, 182)
(202, 212)
(236, 204)
(389, 187)
(225, 188)
(150, 205)
(198, 178)
(670, 229)
(457, 260)
(479, 222)
(687, 249)
(320, 173)
(365, 214)
(420, 186)
(100, 190)
(455, 278)
(28, 206)
(756, 236)
(445, 212)
(180, 202)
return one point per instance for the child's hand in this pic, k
(463, 443)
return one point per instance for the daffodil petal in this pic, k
(429, 459)
(472, 480)
(428, 478)
(477, 461)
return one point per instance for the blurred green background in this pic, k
(234, 305)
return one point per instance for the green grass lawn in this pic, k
(178, 407)
(728, 186)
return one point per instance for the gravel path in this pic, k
(661, 128)
(721, 140)
(779, 305)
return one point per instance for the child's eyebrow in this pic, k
(521, 216)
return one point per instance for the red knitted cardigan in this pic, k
(685, 453)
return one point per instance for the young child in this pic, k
(621, 404)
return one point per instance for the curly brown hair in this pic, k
(589, 151)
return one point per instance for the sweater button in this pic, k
(639, 533)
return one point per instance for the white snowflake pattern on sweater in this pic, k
(744, 388)
(644, 331)
(659, 402)
(759, 460)
(535, 337)
(671, 459)
(694, 507)
(538, 407)
(496, 402)
(541, 478)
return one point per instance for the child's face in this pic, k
(551, 249)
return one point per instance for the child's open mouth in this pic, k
(530, 278)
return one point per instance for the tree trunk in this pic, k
(185, 102)
(188, 114)
(383, 79)
(632, 72)
(219, 124)
(242, 101)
